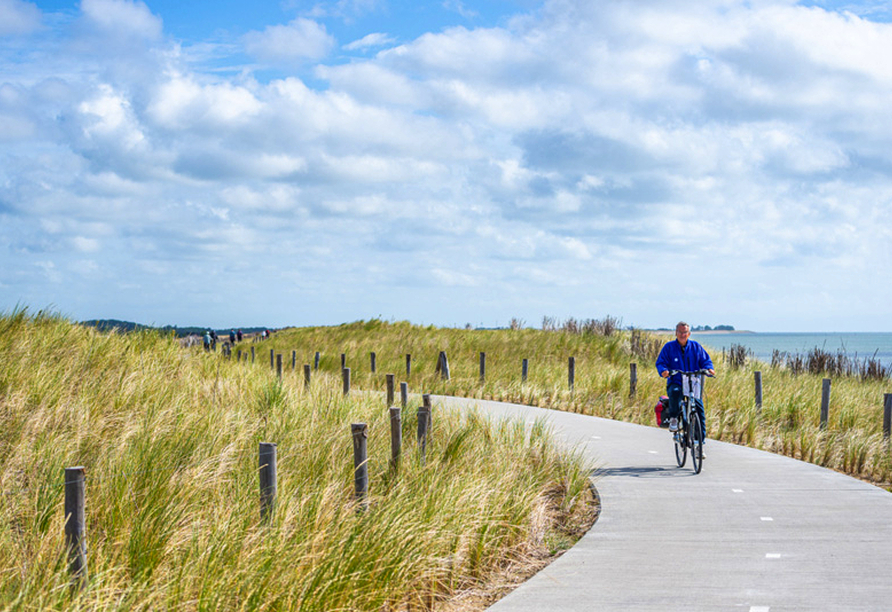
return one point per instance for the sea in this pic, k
(856, 345)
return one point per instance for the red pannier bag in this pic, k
(662, 408)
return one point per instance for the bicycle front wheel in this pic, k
(681, 447)
(696, 443)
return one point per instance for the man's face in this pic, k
(682, 333)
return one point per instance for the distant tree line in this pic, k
(108, 325)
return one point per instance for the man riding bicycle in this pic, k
(686, 355)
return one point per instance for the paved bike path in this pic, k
(753, 531)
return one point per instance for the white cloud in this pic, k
(570, 149)
(301, 40)
(122, 18)
(85, 245)
(375, 39)
(18, 17)
(182, 102)
(108, 117)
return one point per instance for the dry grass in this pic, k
(169, 438)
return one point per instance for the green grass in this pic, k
(169, 438)
(788, 423)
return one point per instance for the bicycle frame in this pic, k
(690, 434)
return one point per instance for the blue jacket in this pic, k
(690, 358)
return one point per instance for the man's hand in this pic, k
(665, 373)
(711, 372)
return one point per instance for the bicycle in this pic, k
(690, 433)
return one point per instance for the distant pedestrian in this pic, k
(207, 340)
(239, 335)
(231, 336)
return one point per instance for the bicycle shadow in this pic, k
(648, 471)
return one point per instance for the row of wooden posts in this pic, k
(443, 370)
(276, 363)
(75, 481)
(825, 403)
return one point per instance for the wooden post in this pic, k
(268, 480)
(633, 380)
(757, 380)
(482, 368)
(252, 354)
(443, 365)
(404, 394)
(343, 360)
(293, 360)
(373, 358)
(75, 525)
(887, 415)
(272, 359)
(389, 378)
(825, 402)
(316, 361)
(571, 373)
(306, 376)
(239, 354)
(423, 427)
(279, 366)
(396, 436)
(360, 461)
(345, 374)
(408, 365)
(524, 370)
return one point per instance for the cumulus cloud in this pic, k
(18, 17)
(122, 18)
(584, 148)
(299, 41)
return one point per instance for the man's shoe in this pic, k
(673, 424)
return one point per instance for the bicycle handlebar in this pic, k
(694, 373)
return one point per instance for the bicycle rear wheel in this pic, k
(696, 443)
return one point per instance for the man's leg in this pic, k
(675, 395)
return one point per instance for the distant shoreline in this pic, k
(711, 332)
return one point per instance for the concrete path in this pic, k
(754, 532)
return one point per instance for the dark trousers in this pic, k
(675, 394)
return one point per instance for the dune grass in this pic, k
(169, 438)
(788, 423)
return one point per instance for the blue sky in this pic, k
(298, 163)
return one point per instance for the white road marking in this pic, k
(760, 608)
(654, 452)
(596, 437)
(773, 556)
(737, 490)
(767, 518)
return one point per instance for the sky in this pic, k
(448, 162)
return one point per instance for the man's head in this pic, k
(682, 332)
